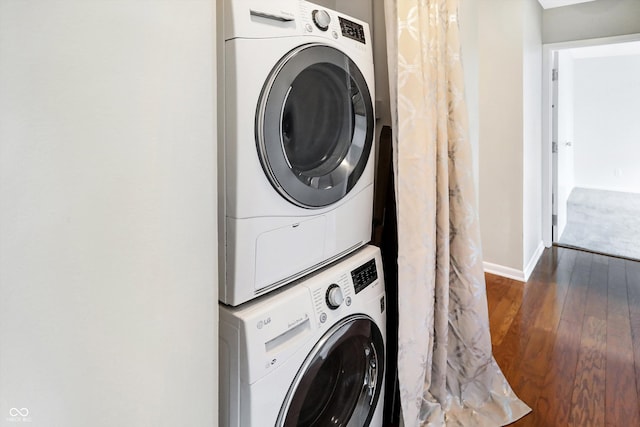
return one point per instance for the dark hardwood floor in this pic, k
(568, 340)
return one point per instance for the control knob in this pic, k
(322, 19)
(334, 296)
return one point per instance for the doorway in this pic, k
(591, 188)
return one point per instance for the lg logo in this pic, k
(262, 323)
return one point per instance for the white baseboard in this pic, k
(512, 273)
(501, 270)
(533, 261)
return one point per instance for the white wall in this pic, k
(108, 295)
(602, 18)
(501, 131)
(607, 129)
(469, 10)
(532, 132)
(510, 134)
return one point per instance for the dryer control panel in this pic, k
(352, 30)
(259, 19)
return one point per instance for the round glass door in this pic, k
(314, 125)
(339, 384)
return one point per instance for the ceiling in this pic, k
(548, 4)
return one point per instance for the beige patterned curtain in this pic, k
(446, 370)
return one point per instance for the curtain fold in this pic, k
(446, 369)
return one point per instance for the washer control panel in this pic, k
(331, 297)
(364, 275)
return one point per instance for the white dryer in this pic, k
(298, 125)
(311, 354)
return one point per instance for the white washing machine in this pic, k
(311, 354)
(298, 123)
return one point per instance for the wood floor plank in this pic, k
(589, 392)
(512, 346)
(621, 392)
(634, 320)
(547, 289)
(532, 372)
(556, 355)
(574, 306)
(505, 311)
(496, 292)
(622, 407)
(617, 297)
(559, 282)
(540, 355)
(553, 406)
(588, 397)
(596, 299)
(632, 270)
(511, 349)
(529, 377)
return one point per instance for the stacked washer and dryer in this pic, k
(302, 313)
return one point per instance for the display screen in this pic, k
(364, 275)
(352, 30)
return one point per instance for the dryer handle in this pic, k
(277, 16)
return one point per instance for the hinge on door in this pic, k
(554, 219)
(554, 147)
(554, 74)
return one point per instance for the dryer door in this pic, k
(314, 125)
(339, 384)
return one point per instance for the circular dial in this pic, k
(334, 296)
(322, 19)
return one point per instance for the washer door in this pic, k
(314, 125)
(339, 384)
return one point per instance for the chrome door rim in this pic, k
(269, 133)
(374, 392)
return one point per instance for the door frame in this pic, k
(555, 89)
(548, 51)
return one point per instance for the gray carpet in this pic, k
(603, 221)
